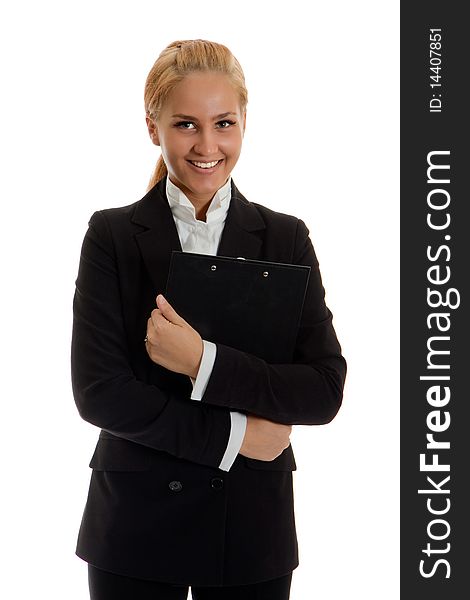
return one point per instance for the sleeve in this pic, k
(237, 434)
(237, 419)
(307, 391)
(106, 390)
(205, 368)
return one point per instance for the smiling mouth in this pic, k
(205, 165)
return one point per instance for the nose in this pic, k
(206, 143)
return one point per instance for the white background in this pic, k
(321, 143)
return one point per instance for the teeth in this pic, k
(204, 165)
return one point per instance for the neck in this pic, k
(200, 202)
(201, 211)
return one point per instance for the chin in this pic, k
(207, 187)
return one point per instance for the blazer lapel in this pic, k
(240, 237)
(160, 236)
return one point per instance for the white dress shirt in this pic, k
(203, 237)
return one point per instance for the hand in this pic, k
(264, 440)
(172, 342)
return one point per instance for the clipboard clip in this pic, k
(265, 273)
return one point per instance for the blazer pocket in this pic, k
(284, 462)
(117, 454)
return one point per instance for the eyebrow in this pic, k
(190, 118)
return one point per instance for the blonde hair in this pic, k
(176, 61)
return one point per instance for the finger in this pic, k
(150, 331)
(158, 319)
(168, 311)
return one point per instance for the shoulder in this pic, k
(110, 226)
(133, 217)
(275, 218)
(139, 215)
(114, 215)
(276, 221)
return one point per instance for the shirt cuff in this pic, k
(205, 369)
(235, 440)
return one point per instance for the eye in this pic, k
(225, 123)
(184, 124)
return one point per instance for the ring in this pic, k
(146, 339)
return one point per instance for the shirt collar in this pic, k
(182, 208)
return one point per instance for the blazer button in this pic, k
(175, 486)
(217, 483)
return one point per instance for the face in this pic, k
(200, 132)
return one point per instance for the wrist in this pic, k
(197, 364)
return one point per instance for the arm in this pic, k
(250, 436)
(106, 390)
(173, 343)
(238, 420)
(306, 392)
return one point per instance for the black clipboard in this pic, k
(251, 305)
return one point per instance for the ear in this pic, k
(244, 121)
(153, 130)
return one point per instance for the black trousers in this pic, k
(108, 586)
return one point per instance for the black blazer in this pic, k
(158, 505)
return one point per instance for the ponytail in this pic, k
(159, 173)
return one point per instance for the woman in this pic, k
(192, 473)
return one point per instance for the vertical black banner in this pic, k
(435, 273)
